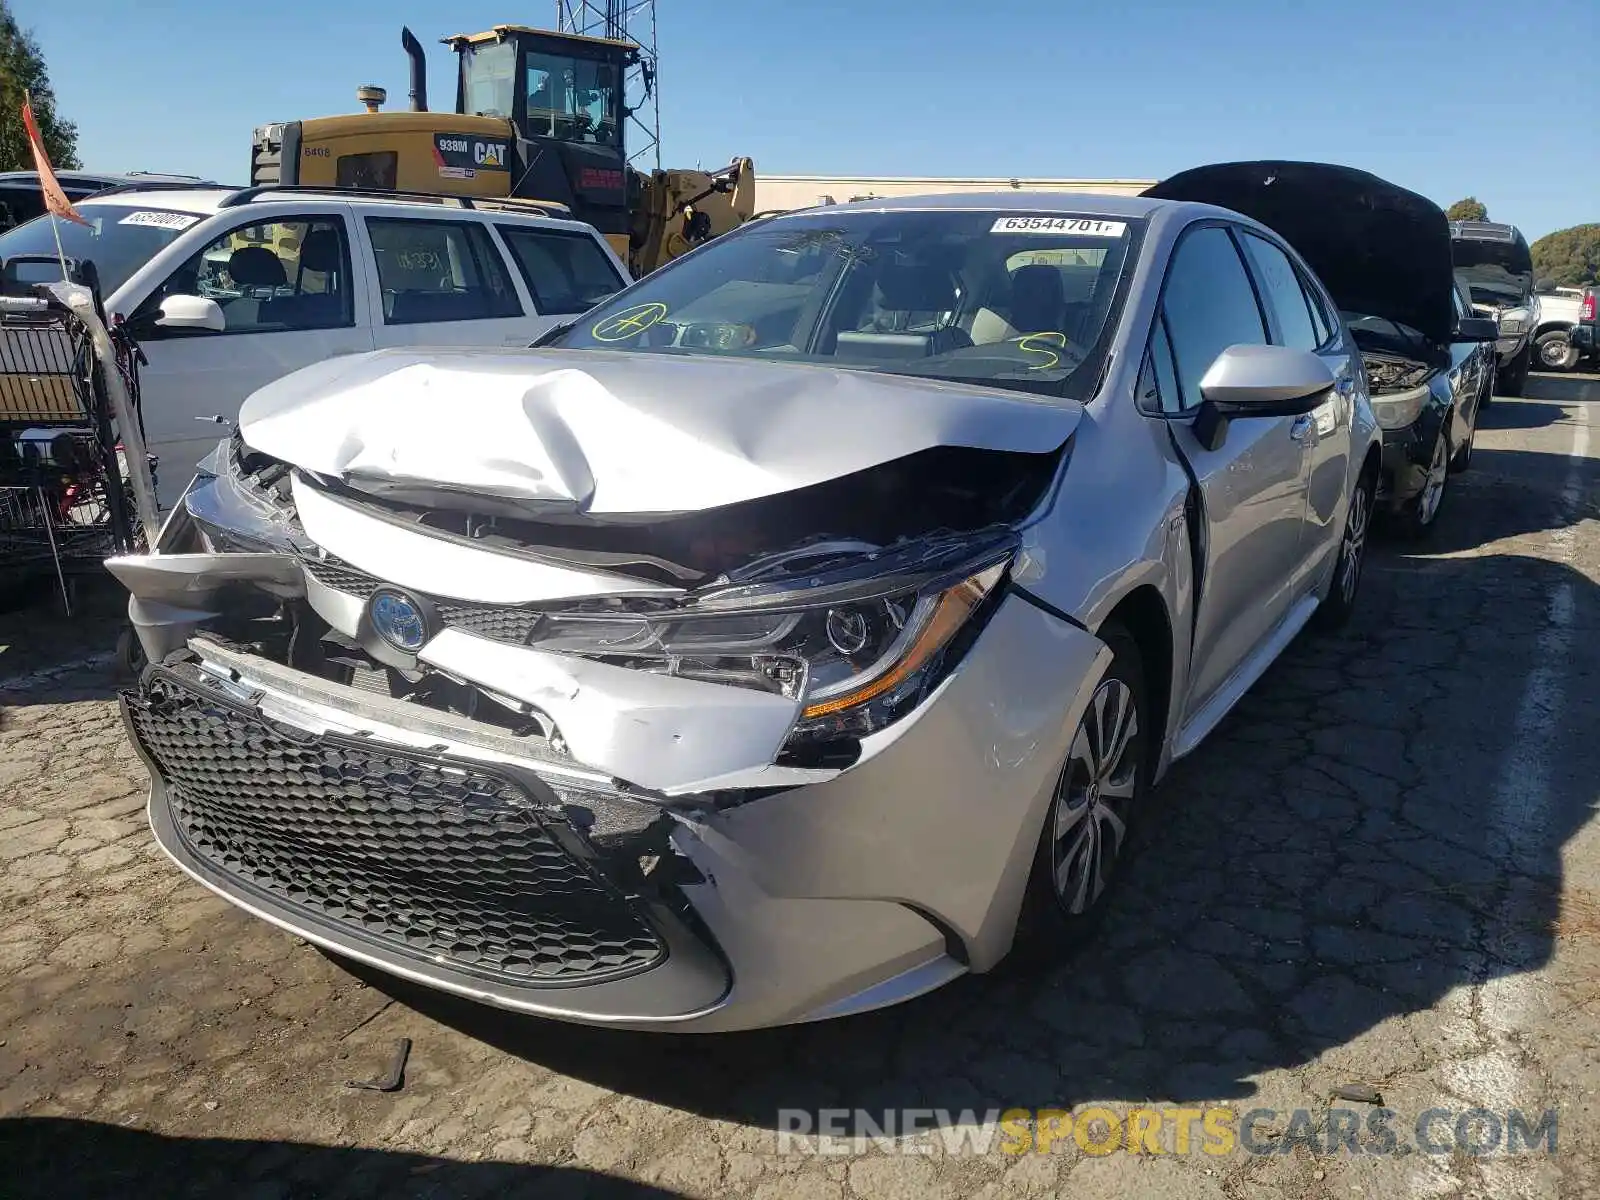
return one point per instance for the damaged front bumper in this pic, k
(583, 840)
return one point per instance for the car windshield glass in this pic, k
(119, 239)
(1005, 299)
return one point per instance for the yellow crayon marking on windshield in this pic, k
(1026, 346)
(630, 322)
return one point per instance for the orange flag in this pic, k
(55, 200)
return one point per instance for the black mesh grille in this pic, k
(501, 624)
(495, 621)
(430, 859)
(340, 576)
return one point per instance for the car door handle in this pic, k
(1302, 428)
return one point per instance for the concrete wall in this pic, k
(801, 191)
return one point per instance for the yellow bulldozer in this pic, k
(539, 116)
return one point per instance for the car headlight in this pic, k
(1396, 410)
(1510, 326)
(856, 652)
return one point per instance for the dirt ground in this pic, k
(1384, 870)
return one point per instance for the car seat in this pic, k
(320, 252)
(908, 303)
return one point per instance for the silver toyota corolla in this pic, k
(799, 630)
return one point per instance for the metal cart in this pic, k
(69, 388)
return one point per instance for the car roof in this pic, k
(203, 201)
(1132, 207)
(206, 201)
(76, 178)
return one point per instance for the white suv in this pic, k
(227, 289)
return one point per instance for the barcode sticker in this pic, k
(1081, 226)
(161, 220)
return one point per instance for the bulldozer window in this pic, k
(488, 79)
(571, 99)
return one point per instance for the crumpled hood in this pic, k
(621, 434)
(1379, 249)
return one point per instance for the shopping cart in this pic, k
(68, 493)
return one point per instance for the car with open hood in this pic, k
(791, 634)
(1494, 263)
(1385, 255)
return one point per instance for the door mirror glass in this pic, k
(191, 312)
(1476, 329)
(1267, 381)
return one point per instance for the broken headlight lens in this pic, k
(1396, 410)
(854, 664)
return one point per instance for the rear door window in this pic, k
(430, 270)
(565, 272)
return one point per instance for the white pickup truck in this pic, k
(1493, 262)
(1557, 316)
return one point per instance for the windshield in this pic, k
(119, 239)
(573, 99)
(1023, 302)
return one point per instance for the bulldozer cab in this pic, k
(552, 86)
(563, 96)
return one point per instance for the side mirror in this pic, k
(1476, 329)
(1258, 381)
(192, 312)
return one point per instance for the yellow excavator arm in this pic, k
(678, 210)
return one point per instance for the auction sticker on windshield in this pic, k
(162, 220)
(1082, 226)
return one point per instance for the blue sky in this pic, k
(1448, 98)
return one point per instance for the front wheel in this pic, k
(1098, 798)
(1418, 515)
(1515, 380)
(1335, 611)
(1555, 351)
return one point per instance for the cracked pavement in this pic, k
(1381, 870)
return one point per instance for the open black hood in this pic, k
(1380, 250)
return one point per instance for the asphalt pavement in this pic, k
(1359, 943)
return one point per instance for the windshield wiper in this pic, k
(551, 334)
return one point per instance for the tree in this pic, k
(1568, 257)
(22, 70)
(1470, 209)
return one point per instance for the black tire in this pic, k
(1515, 380)
(1334, 612)
(1461, 460)
(1048, 928)
(1554, 351)
(1420, 514)
(130, 660)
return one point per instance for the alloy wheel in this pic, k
(1556, 354)
(1090, 812)
(1355, 542)
(1433, 488)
